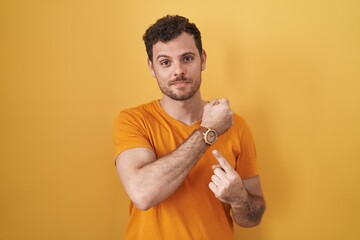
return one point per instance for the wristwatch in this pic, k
(210, 136)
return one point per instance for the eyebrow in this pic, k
(160, 56)
(182, 55)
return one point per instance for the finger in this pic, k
(220, 173)
(216, 180)
(215, 166)
(214, 102)
(223, 101)
(222, 161)
(213, 187)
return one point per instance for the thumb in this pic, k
(222, 161)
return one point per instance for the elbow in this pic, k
(143, 201)
(248, 224)
(143, 197)
(251, 219)
(142, 205)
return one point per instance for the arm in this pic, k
(252, 206)
(148, 180)
(244, 196)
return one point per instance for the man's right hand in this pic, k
(217, 116)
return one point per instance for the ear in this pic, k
(203, 60)
(151, 67)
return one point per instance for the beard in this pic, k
(180, 94)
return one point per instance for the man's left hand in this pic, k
(226, 183)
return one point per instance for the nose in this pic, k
(179, 69)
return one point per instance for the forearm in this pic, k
(157, 180)
(249, 212)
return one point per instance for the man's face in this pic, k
(177, 66)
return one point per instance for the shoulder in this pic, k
(238, 119)
(241, 127)
(239, 122)
(138, 112)
(146, 107)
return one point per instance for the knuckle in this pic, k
(217, 171)
(225, 100)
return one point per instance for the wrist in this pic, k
(209, 135)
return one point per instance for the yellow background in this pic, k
(291, 68)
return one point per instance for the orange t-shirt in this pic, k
(192, 211)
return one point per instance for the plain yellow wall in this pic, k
(291, 68)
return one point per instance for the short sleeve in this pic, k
(246, 162)
(129, 131)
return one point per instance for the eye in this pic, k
(165, 62)
(188, 58)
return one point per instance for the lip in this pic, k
(180, 83)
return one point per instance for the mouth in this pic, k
(179, 83)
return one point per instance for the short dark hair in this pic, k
(168, 28)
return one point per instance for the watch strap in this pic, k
(202, 129)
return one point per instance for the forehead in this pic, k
(176, 47)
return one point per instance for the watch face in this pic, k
(211, 136)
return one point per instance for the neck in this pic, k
(188, 111)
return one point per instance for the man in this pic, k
(188, 165)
